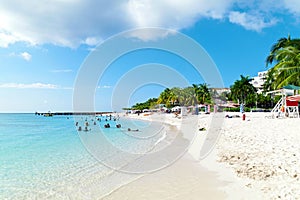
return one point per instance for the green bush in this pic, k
(231, 109)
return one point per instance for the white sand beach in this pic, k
(264, 154)
(258, 158)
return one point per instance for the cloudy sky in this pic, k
(43, 43)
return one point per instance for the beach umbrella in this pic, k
(228, 105)
(176, 108)
(292, 87)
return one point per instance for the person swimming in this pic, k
(129, 129)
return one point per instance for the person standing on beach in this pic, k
(242, 111)
(242, 108)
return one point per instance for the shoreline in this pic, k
(257, 158)
(216, 185)
(172, 183)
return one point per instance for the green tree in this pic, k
(286, 56)
(202, 92)
(281, 43)
(150, 103)
(243, 91)
(190, 96)
(185, 96)
(164, 96)
(287, 69)
(173, 96)
(168, 97)
(266, 101)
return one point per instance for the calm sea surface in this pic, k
(44, 157)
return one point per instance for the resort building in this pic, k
(218, 95)
(259, 80)
(219, 91)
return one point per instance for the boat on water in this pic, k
(48, 115)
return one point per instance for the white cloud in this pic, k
(29, 86)
(63, 23)
(26, 56)
(150, 34)
(250, 22)
(72, 23)
(88, 21)
(91, 41)
(175, 14)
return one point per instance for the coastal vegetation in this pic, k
(150, 103)
(284, 56)
(170, 97)
(242, 90)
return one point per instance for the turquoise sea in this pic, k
(45, 158)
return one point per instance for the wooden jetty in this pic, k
(50, 114)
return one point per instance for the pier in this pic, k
(49, 114)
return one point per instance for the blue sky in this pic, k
(43, 45)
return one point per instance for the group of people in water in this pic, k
(106, 125)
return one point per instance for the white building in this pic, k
(259, 80)
(219, 91)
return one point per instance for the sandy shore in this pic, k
(264, 154)
(183, 180)
(254, 159)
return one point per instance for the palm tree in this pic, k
(163, 97)
(202, 92)
(287, 69)
(285, 54)
(173, 96)
(281, 43)
(186, 96)
(241, 89)
(191, 96)
(178, 96)
(168, 97)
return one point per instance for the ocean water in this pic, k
(46, 158)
